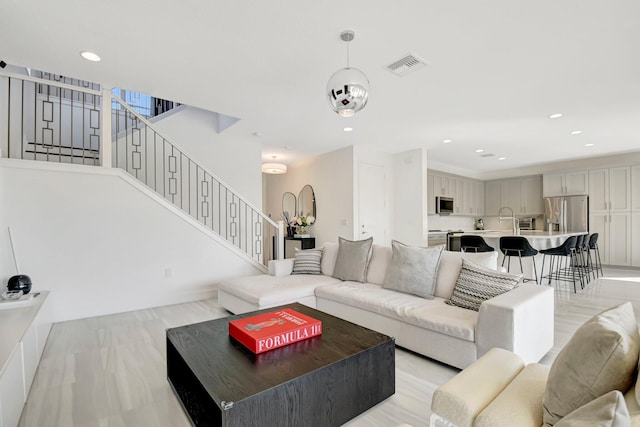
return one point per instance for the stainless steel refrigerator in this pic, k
(567, 214)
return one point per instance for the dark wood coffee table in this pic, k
(323, 381)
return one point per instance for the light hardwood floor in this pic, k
(110, 370)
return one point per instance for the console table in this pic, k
(290, 243)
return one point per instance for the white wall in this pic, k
(236, 161)
(410, 197)
(331, 176)
(103, 243)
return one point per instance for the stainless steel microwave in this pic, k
(444, 205)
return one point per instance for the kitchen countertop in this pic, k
(537, 238)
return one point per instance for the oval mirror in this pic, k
(288, 206)
(307, 202)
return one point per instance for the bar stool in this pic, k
(520, 247)
(474, 244)
(595, 265)
(558, 255)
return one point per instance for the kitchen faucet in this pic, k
(515, 221)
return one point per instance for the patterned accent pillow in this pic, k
(307, 261)
(476, 284)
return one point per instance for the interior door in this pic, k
(372, 209)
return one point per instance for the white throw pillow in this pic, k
(379, 263)
(451, 263)
(329, 255)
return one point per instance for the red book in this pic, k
(275, 329)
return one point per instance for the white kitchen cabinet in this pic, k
(532, 196)
(620, 189)
(614, 239)
(492, 197)
(635, 189)
(610, 190)
(431, 196)
(565, 183)
(523, 195)
(478, 208)
(442, 185)
(635, 242)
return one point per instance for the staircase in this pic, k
(68, 121)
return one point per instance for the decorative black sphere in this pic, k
(21, 282)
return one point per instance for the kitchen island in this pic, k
(537, 238)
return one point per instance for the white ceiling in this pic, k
(496, 69)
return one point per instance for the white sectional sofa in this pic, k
(520, 320)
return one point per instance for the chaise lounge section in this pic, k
(520, 320)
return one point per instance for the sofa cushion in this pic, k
(353, 259)
(379, 263)
(451, 263)
(607, 410)
(264, 290)
(476, 284)
(307, 261)
(413, 269)
(600, 357)
(520, 403)
(329, 255)
(432, 314)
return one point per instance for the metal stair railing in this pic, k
(46, 120)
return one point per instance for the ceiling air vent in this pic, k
(407, 64)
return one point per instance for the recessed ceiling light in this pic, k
(446, 141)
(589, 145)
(348, 129)
(502, 158)
(555, 116)
(576, 132)
(479, 150)
(90, 56)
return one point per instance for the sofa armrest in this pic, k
(520, 320)
(281, 267)
(462, 398)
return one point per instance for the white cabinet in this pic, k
(610, 190)
(635, 241)
(24, 331)
(442, 185)
(492, 197)
(614, 239)
(565, 183)
(523, 195)
(431, 197)
(635, 189)
(468, 194)
(12, 391)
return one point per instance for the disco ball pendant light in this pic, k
(348, 88)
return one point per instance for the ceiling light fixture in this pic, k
(446, 141)
(348, 88)
(348, 129)
(479, 150)
(90, 56)
(274, 168)
(555, 116)
(589, 145)
(576, 132)
(502, 158)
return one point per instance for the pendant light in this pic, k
(348, 88)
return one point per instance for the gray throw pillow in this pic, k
(307, 261)
(607, 410)
(600, 357)
(413, 269)
(353, 259)
(477, 284)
